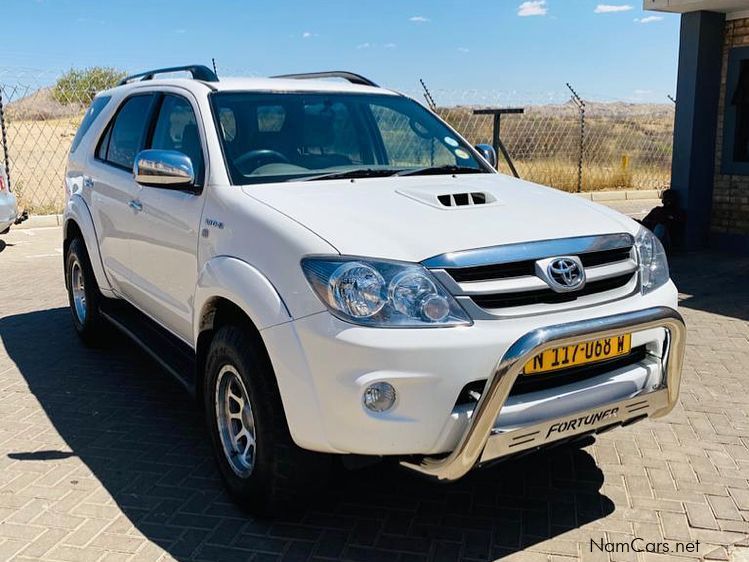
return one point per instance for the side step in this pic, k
(170, 352)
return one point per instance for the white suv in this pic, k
(333, 270)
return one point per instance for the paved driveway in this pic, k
(103, 457)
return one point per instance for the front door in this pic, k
(165, 245)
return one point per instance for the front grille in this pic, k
(504, 281)
(527, 267)
(547, 296)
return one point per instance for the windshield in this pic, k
(271, 137)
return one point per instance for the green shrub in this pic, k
(81, 85)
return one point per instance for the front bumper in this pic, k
(323, 366)
(482, 441)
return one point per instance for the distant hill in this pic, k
(40, 106)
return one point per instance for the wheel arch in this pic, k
(217, 312)
(78, 222)
(230, 290)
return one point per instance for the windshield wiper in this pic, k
(436, 170)
(350, 174)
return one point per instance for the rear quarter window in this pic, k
(88, 119)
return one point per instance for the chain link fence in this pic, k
(40, 126)
(622, 146)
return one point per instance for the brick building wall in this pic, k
(730, 212)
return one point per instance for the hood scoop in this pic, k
(465, 199)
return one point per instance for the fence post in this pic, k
(581, 107)
(3, 131)
(428, 96)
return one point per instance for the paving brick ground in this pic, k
(103, 457)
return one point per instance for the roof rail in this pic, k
(198, 71)
(350, 76)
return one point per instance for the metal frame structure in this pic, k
(198, 71)
(499, 147)
(481, 442)
(345, 75)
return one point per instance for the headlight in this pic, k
(382, 293)
(653, 262)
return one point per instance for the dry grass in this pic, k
(563, 175)
(38, 152)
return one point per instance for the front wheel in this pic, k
(262, 467)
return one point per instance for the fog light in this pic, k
(379, 396)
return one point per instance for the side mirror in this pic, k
(164, 168)
(488, 152)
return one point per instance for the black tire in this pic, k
(281, 474)
(89, 324)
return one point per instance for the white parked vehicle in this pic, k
(8, 203)
(333, 270)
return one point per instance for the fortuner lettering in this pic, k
(577, 423)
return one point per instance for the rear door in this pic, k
(164, 244)
(114, 192)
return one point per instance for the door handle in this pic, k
(135, 204)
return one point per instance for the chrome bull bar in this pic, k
(480, 443)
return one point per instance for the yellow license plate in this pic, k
(578, 354)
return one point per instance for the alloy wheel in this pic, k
(235, 421)
(77, 287)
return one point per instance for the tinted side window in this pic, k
(127, 132)
(177, 129)
(88, 119)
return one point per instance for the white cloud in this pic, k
(533, 8)
(389, 45)
(463, 50)
(419, 19)
(612, 8)
(306, 35)
(364, 45)
(649, 19)
(180, 31)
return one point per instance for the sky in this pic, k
(490, 51)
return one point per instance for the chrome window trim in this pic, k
(524, 251)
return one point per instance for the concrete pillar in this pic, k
(697, 94)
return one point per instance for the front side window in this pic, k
(177, 129)
(271, 137)
(126, 134)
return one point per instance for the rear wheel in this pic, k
(262, 467)
(83, 294)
